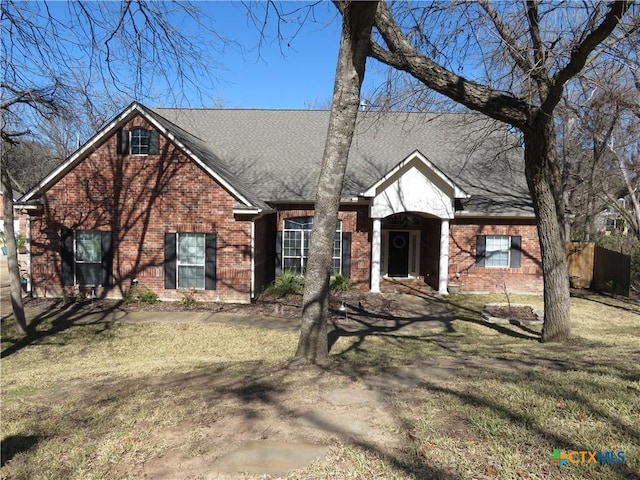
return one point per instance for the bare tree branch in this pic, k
(581, 52)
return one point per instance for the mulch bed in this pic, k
(513, 313)
(285, 307)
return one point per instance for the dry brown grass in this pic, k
(467, 400)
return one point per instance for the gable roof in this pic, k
(416, 155)
(277, 153)
(274, 156)
(192, 146)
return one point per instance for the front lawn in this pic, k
(458, 400)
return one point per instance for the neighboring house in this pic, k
(20, 229)
(612, 219)
(19, 219)
(221, 201)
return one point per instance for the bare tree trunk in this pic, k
(536, 122)
(545, 186)
(357, 21)
(12, 254)
(633, 193)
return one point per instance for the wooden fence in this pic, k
(591, 266)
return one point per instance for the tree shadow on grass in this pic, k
(362, 324)
(257, 392)
(621, 303)
(526, 334)
(12, 445)
(263, 392)
(60, 317)
(535, 429)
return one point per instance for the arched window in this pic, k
(295, 245)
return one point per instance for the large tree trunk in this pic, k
(545, 185)
(12, 254)
(357, 21)
(541, 165)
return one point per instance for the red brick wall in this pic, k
(139, 199)
(462, 252)
(355, 219)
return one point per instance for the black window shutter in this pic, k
(154, 142)
(516, 247)
(481, 248)
(123, 142)
(278, 253)
(346, 254)
(210, 262)
(107, 259)
(67, 257)
(169, 260)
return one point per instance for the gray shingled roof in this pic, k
(209, 157)
(275, 155)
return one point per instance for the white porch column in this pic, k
(444, 257)
(375, 255)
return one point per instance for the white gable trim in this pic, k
(414, 185)
(87, 148)
(457, 191)
(76, 156)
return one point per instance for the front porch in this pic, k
(408, 286)
(411, 207)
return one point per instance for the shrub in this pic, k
(140, 294)
(189, 299)
(340, 283)
(21, 242)
(286, 284)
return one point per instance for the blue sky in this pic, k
(253, 69)
(276, 74)
(293, 75)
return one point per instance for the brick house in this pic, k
(221, 201)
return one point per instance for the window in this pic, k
(87, 258)
(498, 251)
(138, 141)
(295, 246)
(190, 261)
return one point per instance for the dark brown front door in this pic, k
(398, 254)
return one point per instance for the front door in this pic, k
(398, 265)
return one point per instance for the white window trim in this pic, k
(77, 262)
(185, 264)
(487, 252)
(148, 136)
(304, 258)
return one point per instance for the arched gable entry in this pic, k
(415, 189)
